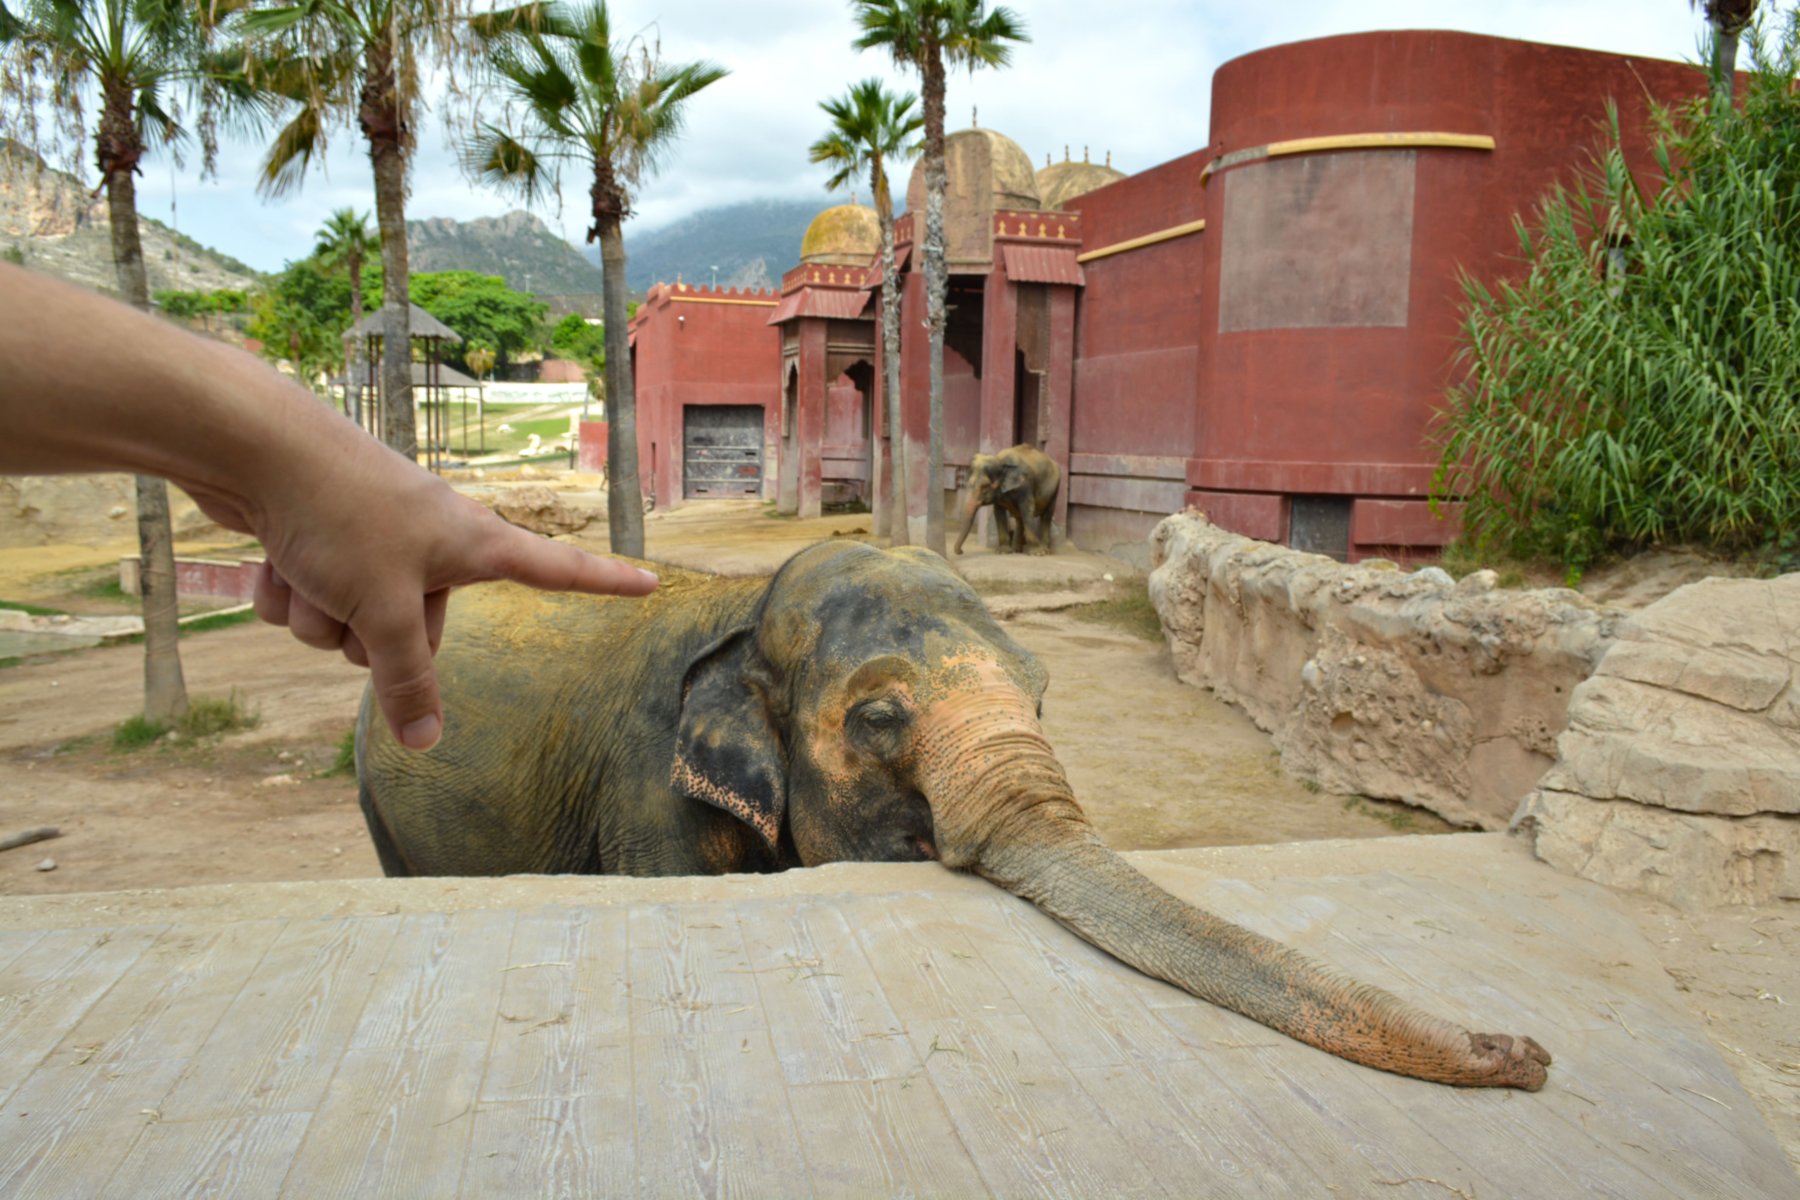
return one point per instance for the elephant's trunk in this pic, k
(1003, 807)
(971, 506)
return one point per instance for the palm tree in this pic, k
(870, 127)
(134, 55)
(926, 35)
(1729, 19)
(610, 108)
(344, 240)
(334, 61)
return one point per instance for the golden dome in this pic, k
(1059, 183)
(848, 235)
(982, 167)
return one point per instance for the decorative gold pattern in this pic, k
(1137, 243)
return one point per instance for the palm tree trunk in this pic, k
(936, 285)
(381, 125)
(165, 691)
(890, 367)
(353, 341)
(1724, 66)
(624, 492)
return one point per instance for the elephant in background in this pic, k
(1021, 483)
(861, 704)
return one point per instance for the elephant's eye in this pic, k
(879, 714)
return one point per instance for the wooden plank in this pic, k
(125, 1054)
(278, 1043)
(396, 1121)
(49, 987)
(1186, 1124)
(14, 942)
(690, 972)
(1088, 1004)
(826, 1012)
(564, 1009)
(923, 951)
(572, 1148)
(1030, 1127)
(248, 1156)
(440, 982)
(68, 1127)
(882, 1137)
(712, 1117)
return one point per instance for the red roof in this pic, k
(1041, 264)
(820, 302)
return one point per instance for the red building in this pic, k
(1263, 328)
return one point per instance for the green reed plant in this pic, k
(1639, 383)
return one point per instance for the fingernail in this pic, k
(649, 576)
(421, 734)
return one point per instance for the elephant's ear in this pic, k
(1012, 477)
(727, 753)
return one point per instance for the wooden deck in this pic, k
(854, 1031)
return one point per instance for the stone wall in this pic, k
(1679, 773)
(1407, 686)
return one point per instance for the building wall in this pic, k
(700, 345)
(1137, 357)
(1330, 388)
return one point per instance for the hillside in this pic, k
(59, 228)
(751, 244)
(519, 247)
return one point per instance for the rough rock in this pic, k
(1679, 773)
(1408, 686)
(537, 508)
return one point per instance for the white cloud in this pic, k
(1133, 78)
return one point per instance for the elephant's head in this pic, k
(990, 477)
(871, 709)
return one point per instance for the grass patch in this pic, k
(136, 731)
(345, 761)
(1128, 610)
(1397, 819)
(32, 610)
(206, 717)
(209, 716)
(104, 587)
(222, 620)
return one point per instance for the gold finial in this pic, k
(974, 116)
(1109, 159)
(1084, 156)
(1046, 158)
(1065, 152)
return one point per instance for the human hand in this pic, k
(363, 560)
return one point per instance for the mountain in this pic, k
(750, 244)
(58, 226)
(518, 247)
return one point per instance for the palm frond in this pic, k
(292, 151)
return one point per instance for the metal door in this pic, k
(722, 451)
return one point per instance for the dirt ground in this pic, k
(1157, 764)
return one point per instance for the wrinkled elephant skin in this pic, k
(860, 705)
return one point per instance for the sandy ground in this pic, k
(1157, 764)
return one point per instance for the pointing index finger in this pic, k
(526, 558)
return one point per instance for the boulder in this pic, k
(1410, 686)
(1679, 773)
(537, 508)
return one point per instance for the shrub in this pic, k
(1639, 384)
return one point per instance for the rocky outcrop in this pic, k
(537, 508)
(43, 510)
(1404, 685)
(1679, 773)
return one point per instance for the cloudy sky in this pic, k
(1132, 78)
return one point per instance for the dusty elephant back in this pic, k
(545, 696)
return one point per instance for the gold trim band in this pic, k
(1137, 243)
(721, 300)
(1350, 141)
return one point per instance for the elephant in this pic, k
(1021, 483)
(860, 704)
